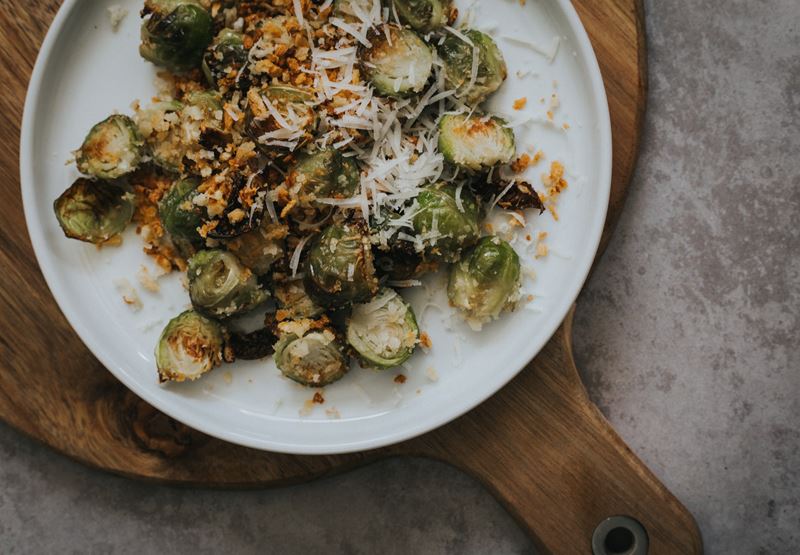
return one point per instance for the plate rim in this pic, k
(208, 426)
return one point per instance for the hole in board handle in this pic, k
(619, 535)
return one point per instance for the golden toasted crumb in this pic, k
(541, 248)
(521, 164)
(520, 103)
(425, 341)
(400, 379)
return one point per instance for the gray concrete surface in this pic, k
(687, 335)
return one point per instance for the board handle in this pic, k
(564, 481)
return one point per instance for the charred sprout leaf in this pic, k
(225, 57)
(180, 217)
(260, 248)
(398, 63)
(280, 118)
(112, 148)
(519, 195)
(475, 142)
(457, 56)
(324, 174)
(220, 286)
(189, 346)
(400, 261)
(310, 354)
(294, 303)
(485, 282)
(237, 219)
(94, 211)
(252, 346)
(446, 221)
(175, 33)
(340, 269)
(425, 15)
(384, 331)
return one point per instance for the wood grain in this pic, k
(539, 444)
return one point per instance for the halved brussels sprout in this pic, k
(447, 220)
(159, 124)
(260, 248)
(220, 286)
(224, 57)
(175, 33)
(340, 269)
(280, 117)
(180, 217)
(112, 148)
(425, 15)
(485, 282)
(384, 331)
(324, 174)
(94, 211)
(293, 301)
(457, 56)
(475, 142)
(309, 354)
(190, 346)
(398, 64)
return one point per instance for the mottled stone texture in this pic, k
(687, 335)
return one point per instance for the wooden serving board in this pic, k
(539, 444)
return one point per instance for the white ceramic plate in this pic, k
(85, 71)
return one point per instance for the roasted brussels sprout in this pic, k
(309, 354)
(180, 217)
(457, 56)
(398, 63)
(384, 331)
(112, 148)
(425, 15)
(293, 301)
(340, 269)
(159, 124)
(189, 346)
(260, 248)
(475, 142)
(324, 174)
(94, 211)
(175, 33)
(220, 286)
(485, 282)
(446, 220)
(280, 117)
(225, 56)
